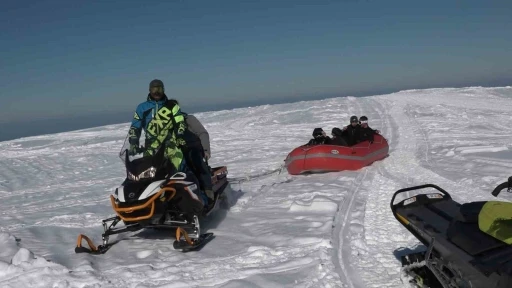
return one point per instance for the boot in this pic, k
(209, 193)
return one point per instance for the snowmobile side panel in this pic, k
(218, 193)
(120, 194)
(152, 189)
(130, 192)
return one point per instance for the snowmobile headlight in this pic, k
(149, 173)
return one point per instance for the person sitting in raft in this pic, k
(365, 132)
(337, 138)
(351, 132)
(319, 137)
(363, 121)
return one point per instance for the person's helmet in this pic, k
(354, 119)
(363, 118)
(336, 131)
(317, 132)
(156, 89)
(156, 86)
(156, 83)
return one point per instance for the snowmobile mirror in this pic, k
(502, 186)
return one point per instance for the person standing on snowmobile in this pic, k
(351, 132)
(197, 151)
(365, 132)
(164, 124)
(158, 117)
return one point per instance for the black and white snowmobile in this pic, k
(153, 196)
(468, 245)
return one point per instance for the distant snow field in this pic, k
(278, 230)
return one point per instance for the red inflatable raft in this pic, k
(327, 158)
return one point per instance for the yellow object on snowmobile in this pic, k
(495, 219)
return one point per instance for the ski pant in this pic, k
(188, 200)
(200, 167)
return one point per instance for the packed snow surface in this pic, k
(275, 230)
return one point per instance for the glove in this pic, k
(181, 142)
(134, 149)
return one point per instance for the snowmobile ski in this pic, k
(189, 244)
(92, 248)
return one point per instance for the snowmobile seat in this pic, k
(468, 237)
(470, 211)
(448, 209)
(466, 233)
(458, 222)
(462, 229)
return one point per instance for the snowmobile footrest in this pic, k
(195, 245)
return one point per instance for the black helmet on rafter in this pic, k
(354, 119)
(317, 132)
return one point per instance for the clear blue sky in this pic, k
(76, 58)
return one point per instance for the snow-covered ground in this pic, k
(321, 230)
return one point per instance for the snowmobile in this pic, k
(468, 245)
(151, 197)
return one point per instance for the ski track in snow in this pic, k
(274, 230)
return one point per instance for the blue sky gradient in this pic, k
(64, 59)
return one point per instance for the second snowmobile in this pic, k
(154, 195)
(468, 245)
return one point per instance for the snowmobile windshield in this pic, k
(142, 163)
(495, 219)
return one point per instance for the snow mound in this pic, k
(20, 267)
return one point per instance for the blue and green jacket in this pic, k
(163, 123)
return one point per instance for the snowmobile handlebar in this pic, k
(502, 186)
(403, 190)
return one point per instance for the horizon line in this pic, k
(240, 105)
